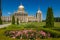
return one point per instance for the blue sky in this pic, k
(31, 6)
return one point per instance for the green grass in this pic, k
(57, 24)
(22, 26)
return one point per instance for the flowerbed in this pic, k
(27, 34)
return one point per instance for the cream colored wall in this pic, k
(22, 18)
(39, 17)
(31, 18)
(6, 18)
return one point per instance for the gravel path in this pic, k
(4, 25)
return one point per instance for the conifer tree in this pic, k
(13, 19)
(17, 21)
(49, 18)
(0, 20)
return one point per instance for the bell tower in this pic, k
(39, 15)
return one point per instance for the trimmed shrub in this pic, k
(31, 26)
(13, 19)
(0, 20)
(54, 34)
(17, 21)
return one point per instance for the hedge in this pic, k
(54, 33)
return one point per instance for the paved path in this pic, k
(4, 25)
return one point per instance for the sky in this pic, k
(31, 7)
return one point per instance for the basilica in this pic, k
(22, 15)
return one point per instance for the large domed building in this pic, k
(22, 15)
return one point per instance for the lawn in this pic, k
(31, 25)
(57, 24)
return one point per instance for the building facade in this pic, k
(39, 16)
(22, 15)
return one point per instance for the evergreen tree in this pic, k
(0, 20)
(13, 19)
(0, 12)
(17, 21)
(49, 18)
